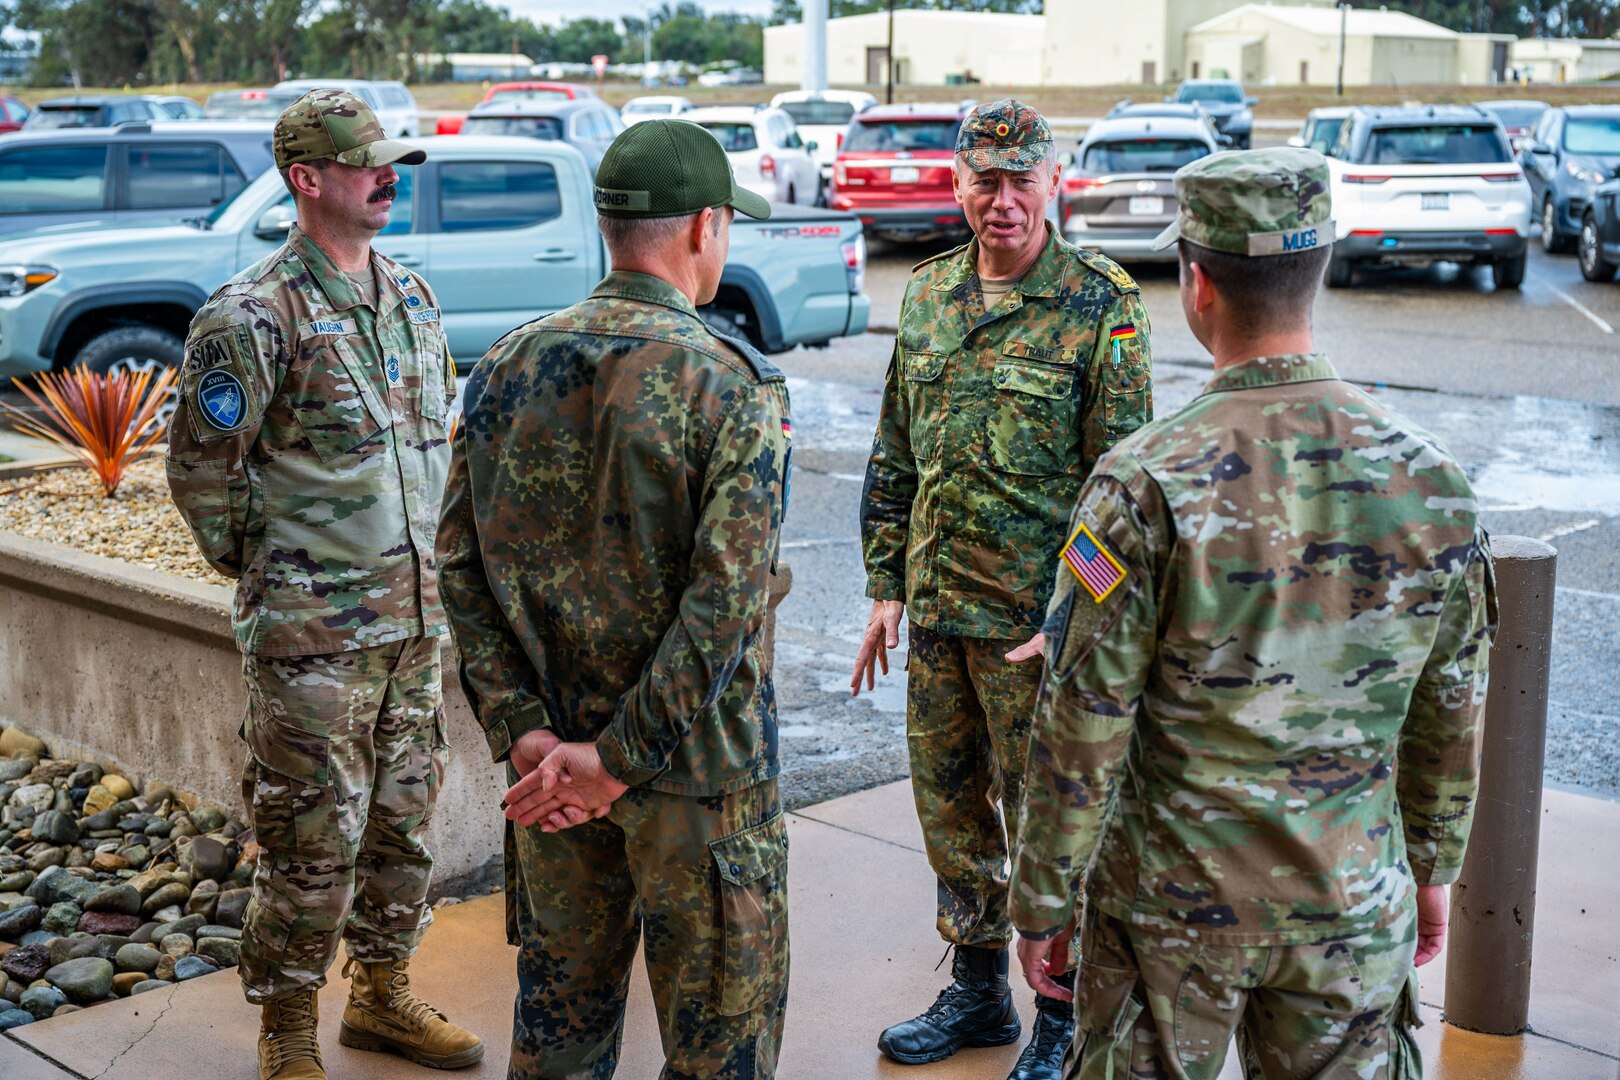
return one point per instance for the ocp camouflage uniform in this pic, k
(990, 422)
(307, 456)
(612, 516)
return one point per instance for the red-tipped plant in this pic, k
(106, 421)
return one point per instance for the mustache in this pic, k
(387, 191)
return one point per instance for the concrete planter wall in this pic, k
(114, 663)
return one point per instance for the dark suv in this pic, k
(1571, 152)
(93, 111)
(165, 170)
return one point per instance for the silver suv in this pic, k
(1118, 192)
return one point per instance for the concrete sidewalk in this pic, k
(864, 953)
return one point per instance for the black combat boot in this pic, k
(975, 1010)
(1042, 1059)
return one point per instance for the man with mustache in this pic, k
(1020, 360)
(308, 455)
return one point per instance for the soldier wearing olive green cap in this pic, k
(307, 455)
(616, 493)
(1266, 667)
(1020, 360)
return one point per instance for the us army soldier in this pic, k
(1020, 360)
(1267, 660)
(611, 520)
(307, 456)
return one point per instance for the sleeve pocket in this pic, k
(752, 899)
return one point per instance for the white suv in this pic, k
(822, 118)
(395, 107)
(1427, 183)
(767, 154)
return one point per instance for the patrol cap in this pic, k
(1005, 134)
(665, 168)
(335, 124)
(1274, 201)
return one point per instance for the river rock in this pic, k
(37, 937)
(125, 981)
(211, 858)
(192, 967)
(12, 1018)
(136, 855)
(84, 980)
(108, 862)
(119, 786)
(16, 880)
(147, 932)
(55, 885)
(122, 899)
(149, 984)
(222, 951)
(178, 946)
(87, 774)
(167, 914)
(47, 857)
(232, 907)
(109, 922)
(41, 1001)
(213, 930)
(99, 799)
(62, 918)
(165, 968)
(188, 925)
(56, 827)
(142, 958)
(172, 893)
(35, 797)
(17, 743)
(12, 770)
(19, 921)
(106, 819)
(207, 819)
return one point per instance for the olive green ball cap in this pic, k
(1274, 201)
(337, 125)
(665, 168)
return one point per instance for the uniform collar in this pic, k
(1045, 278)
(1272, 371)
(340, 291)
(629, 285)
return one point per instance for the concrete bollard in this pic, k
(1493, 906)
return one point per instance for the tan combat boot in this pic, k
(383, 1014)
(288, 1048)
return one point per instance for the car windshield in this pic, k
(1224, 93)
(1436, 144)
(734, 137)
(830, 113)
(877, 136)
(1592, 135)
(1324, 133)
(66, 116)
(647, 108)
(531, 95)
(248, 106)
(1517, 115)
(1142, 155)
(531, 127)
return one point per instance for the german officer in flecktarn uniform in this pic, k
(613, 512)
(307, 455)
(1266, 667)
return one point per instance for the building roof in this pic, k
(1324, 21)
(476, 59)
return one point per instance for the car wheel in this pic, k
(793, 195)
(1594, 267)
(133, 349)
(1509, 273)
(1552, 241)
(1340, 273)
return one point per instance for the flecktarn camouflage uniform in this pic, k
(612, 515)
(990, 422)
(1266, 663)
(307, 456)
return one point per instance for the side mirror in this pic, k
(274, 223)
(1295, 140)
(1224, 140)
(1251, 101)
(812, 146)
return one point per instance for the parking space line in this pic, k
(1597, 319)
(1570, 530)
(1592, 593)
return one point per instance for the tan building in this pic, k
(1556, 60)
(931, 48)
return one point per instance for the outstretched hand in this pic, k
(567, 787)
(882, 634)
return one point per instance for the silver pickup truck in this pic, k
(502, 228)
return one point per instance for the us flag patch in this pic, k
(1099, 572)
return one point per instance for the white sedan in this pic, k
(654, 107)
(767, 154)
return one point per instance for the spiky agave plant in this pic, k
(105, 421)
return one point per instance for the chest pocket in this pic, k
(1030, 425)
(430, 357)
(925, 399)
(337, 406)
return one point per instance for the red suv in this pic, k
(12, 113)
(894, 170)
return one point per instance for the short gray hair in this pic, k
(637, 237)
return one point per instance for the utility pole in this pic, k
(646, 49)
(889, 93)
(1344, 17)
(814, 77)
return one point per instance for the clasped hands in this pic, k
(559, 784)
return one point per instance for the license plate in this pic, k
(1433, 200)
(1147, 204)
(903, 174)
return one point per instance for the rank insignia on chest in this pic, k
(413, 301)
(1099, 572)
(222, 399)
(1119, 335)
(391, 369)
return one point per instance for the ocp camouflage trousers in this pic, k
(968, 713)
(1156, 1009)
(346, 755)
(704, 879)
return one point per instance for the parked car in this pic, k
(1321, 128)
(588, 124)
(1572, 150)
(1599, 244)
(162, 170)
(767, 154)
(1119, 192)
(254, 104)
(175, 107)
(1225, 100)
(1419, 184)
(12, 114)
(504, 229)
(395, 107)
(1166, 110)
(822, 117)
(524, 90)
(894, 170)
(654, 107)
(1519, 118)
(92, 111)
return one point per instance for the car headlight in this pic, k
(16, 280)
(1584, 173)
(1244, 117)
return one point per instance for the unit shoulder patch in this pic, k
(1109, 269)
(942, 255)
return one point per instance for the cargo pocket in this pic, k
(1127, 400)
(1106, 1011)
(291, 796)
(1405, 1060)
(1029, 429)
(337, 407)
(925, 402)
(753, 916)
(440, 761)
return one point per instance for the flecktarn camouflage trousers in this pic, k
(1156, 1009)
(346, 754)
(968, 713)
(704, 880)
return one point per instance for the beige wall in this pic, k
(1406, 61)
(1368, 60)
(928, 46)
(1095, 42)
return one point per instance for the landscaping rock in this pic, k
(46, 858)
(12, 1018)
(211, 858)
(17, 743)
(137, 855)
(165, 968)
(223, 951)
(178, 946)
(146, 933)
(109, 862)
(84, 980)
(149, 984)
(102, 821)
(172, 893)
(85, 775)
(62, 918)
(121, 899)
(142, 958)
(19, 921)
(109, 922)
(37, 937)
(125, 981)
(16, 881)
(232, 907)
(27, 963)
(218, 931)
(55, 885)
(56, 827)
(168, 914)
(35, 797)
(192, 967)
(119, 786)
(207, 819)
(41, 1001)
(99, 799)
(15, 769)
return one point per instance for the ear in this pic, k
(306, 180)
(701, 233)
(1203, 289)
(956, 180)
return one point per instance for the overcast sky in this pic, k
(555, 11)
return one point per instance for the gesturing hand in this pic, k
(882, 634)
(568, 787)
(1035, 646)
(1043, 959)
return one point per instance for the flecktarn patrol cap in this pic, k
(665, 168)
(335, 124)
(1274, 201)
(1005, 134)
